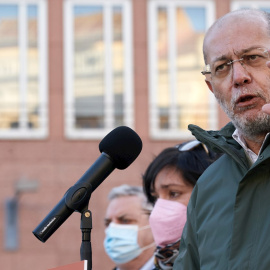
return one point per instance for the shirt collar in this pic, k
(252, 157)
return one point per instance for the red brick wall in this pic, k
(57, 163)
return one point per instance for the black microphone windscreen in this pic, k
(123, 145)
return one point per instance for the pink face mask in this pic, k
(167, 221)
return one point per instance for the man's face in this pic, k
(128, 210)
(244, 91)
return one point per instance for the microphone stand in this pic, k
(86, 227)
(77, 198)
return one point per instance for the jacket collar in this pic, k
(221, 141)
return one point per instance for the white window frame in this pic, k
(251, 4)
(173, 132)
(128, 99)
(23, 132)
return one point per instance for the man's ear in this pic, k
(209, 85)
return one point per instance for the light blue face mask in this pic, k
(121, 242)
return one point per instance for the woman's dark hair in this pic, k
(189, 163)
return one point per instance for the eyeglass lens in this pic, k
(255, 58)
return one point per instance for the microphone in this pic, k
(118, 150)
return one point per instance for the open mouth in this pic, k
(244, 99)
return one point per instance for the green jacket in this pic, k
(228, 224)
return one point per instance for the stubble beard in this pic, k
(253, 127)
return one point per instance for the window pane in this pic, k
(32, 69)
(98, 83)
(9, 67)
(118, 66)
(178, 93)
(23, 69)
(163, 69)
(192, 102)
(89, 66)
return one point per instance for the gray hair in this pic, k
(239, 12)
(127, 190)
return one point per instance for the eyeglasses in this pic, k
(221, 69)
(191, 145)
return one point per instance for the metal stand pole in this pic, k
(86, 227)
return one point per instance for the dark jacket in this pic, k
(228, 225)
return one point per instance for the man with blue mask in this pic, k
(129, 242)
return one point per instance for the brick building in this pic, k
(70, 72)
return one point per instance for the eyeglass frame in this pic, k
(230, 62)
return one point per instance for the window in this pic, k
(23, 69)
(263, 5)
(98, 67)
(178, 93)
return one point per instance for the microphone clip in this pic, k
(77, 197)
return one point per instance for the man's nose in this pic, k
(240, 74)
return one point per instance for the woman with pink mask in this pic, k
(168, 183)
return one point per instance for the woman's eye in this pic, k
(174, 194)
(155, 195)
